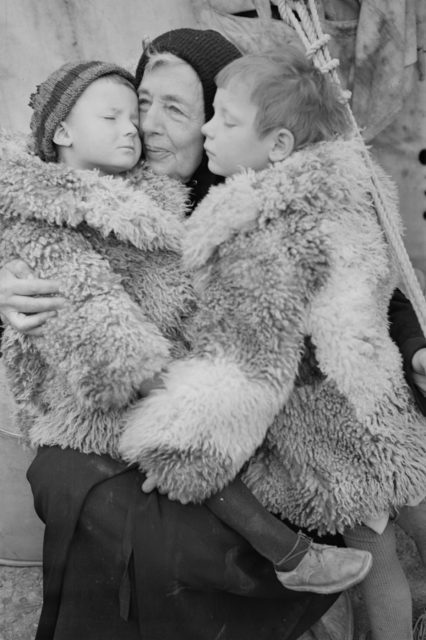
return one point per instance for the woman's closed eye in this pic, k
(175, 110)
(144, 104)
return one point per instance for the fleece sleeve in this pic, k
(348, 318)
(100, 342)
(196, 433)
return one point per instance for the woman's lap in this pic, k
(188, 576)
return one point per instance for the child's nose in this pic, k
(207, 128)
(130, 128)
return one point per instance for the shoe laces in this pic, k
(318, 551)
(294, 551)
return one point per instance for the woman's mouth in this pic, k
(156, 152)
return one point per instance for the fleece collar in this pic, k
(327, 177)
(143, 209)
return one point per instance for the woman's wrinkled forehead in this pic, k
(173, 79)
(162, 58)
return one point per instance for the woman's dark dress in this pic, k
(123, 565)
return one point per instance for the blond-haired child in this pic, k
(293, 377)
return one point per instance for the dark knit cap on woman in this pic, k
(56, 96)
(207, 52)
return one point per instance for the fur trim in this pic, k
(212, 224)
(197, 435)
(326, 179)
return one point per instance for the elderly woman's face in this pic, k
(171, 111)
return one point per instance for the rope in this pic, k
(307, 25)
(11, 434)
(20, 563)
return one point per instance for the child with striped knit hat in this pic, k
(77, 206)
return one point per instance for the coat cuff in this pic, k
(196, 433)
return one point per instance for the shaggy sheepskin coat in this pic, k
(292, 378)
(114, 244)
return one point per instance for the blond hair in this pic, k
(289, 91)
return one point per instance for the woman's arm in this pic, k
(406, 333)
(100, 341)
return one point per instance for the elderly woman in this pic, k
(119, 563)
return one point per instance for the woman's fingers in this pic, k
(34, 287)
(30, 324)
(18, 269)
(31, 302)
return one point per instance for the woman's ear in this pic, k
(283, 145)
(62, 135)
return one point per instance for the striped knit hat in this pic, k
(56, 96)
(207, 52)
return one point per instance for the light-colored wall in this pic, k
(36, 36)
(398, 148)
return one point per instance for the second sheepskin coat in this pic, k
(114, 245)
(292, 378)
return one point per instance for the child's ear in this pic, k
(62, 135)
(283, 145)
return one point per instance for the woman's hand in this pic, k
(26, 302)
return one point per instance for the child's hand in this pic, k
(150, 483)
(149, 385)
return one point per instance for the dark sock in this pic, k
(412, 520)
(385, 589)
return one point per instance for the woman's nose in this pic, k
(150, 119)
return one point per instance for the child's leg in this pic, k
(412, 520)
(300, 564)
(237, 506)
(385, 589)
